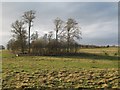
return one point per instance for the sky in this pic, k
(59, 0)
(98, 20)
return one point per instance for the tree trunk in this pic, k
(22, 42)
(29, 38)
(56, 41)
(68, 42)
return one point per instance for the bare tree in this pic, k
(58, 25)
(10, 44)
(19, 34)
(71, 32)
(45, 39)
(34, 36)
(50, 35)
(28, 18)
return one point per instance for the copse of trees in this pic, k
(2, 47)
(62, 40)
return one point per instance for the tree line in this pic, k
(63, 39)
(2, 47)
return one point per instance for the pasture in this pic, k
(91, 68)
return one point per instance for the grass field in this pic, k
(92, 68)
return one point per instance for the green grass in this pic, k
(41, 62)
(7, 54)
(94, 60)
(88, 58)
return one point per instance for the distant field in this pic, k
(92, 68)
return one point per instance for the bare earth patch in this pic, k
(44, 79)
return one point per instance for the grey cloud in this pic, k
(60, 0)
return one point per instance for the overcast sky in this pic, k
(98, 20)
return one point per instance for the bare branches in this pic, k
(50, 35)
(29, 16)
(58, 26)
(34, 36)
(18, 27)
(19, 34)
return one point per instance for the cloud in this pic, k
(0, 22)
(97, 20)
(101, 34)
(60, 0)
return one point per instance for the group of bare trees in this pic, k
(19, 40)
(61, 40)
